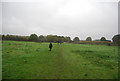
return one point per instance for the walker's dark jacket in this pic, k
(50, 45)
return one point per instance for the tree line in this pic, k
(35, 38)
(55, 38)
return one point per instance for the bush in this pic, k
(96, 42)
(33, 37)
(116, 39)
(88, 39)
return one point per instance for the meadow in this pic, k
(33, 60)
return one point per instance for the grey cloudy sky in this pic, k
(82, 18)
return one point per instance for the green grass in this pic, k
(0, 60)
(30, 60)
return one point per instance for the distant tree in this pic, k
(50, 38)
(62, 39)
(55, 38)
(67, 39)
(103, 39)
(59, 38)
(0, 37)
(3, 37)
(76, 39)
(88, 39)
(33, 37)
(97, 40)
(41, 38)
(116, 39)
(8, 37)
(23, 38)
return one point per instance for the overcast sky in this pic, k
(81, 18)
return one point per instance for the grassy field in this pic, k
(30, 60)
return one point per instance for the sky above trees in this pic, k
(81, 18)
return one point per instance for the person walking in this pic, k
(50, 46)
